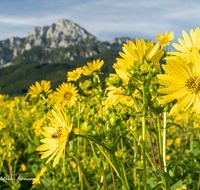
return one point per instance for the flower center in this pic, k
(193, 84)
(68, 95)
(75, 75)
(164, 40)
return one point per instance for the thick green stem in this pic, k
(144, 135)
(136, 138)
(164, 141)
(160, 140)
(78, 142)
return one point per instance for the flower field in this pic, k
(141, 132)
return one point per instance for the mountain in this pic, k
(59, 42)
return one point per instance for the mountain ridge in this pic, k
(64, 40)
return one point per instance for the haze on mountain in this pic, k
(64, 40)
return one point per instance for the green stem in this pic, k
(77, 162)
(71, 176)
(117, 167)
(78, 142)
(135, 136)
(144, 135)
(160, 140)
(164, 141)
(99, 166)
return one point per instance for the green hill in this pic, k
(15, 80)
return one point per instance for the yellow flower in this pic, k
(183, 83)
(66, 94)
(86, 84)
(117, 95)
(95, 66)
(37, 179)
(165, 39)
(26, 114)
(135, 52)
(37, 89)
(168, 157)
(33, 109)
(92, 164)
(178, 140)
(196, 126)
(74, 75)
(56, 136)
(169, 142)
(73, 165)
(188, 44)
(23, 167)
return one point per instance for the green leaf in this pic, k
(158, 187)
(46, 182)
(153, 181)
(178, 184)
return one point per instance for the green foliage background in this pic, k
(15, 80)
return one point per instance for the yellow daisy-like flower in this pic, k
(168, 157)
(56, 136)
(117, 95)
(74, 75)
(183, 83)
(169, 142)
(38, 88)
(178, 140)
(165, 39)
(135, 52)
(66, 94)
(95, 66)
(189, 43)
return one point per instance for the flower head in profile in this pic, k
(188, 44)
(119, 95)
(165, 39)
(91, 67)
(56, 135)
(37, 89)
(74, 75)
(66, 94)
(182, 83)
(136, 52)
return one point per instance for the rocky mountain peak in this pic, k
(50, 44)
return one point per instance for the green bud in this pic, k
(95, 79)
(114, 120)
(93, 110)
(144, 69)
(127, 92)
(81, 85)
(94, 73)
(86, 127)
(107, 113)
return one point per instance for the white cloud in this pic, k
(103, 18)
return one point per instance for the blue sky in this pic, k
(105, 19)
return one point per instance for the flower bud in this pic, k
(86, 126)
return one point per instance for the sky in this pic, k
(105, 19)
